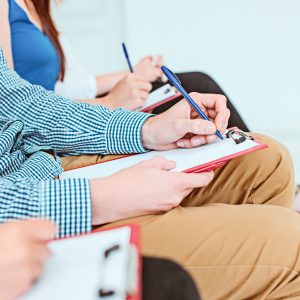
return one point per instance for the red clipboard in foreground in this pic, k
(80, 267)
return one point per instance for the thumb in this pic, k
(196, 180)
(42, 230)
(195, 126)
(159, 162)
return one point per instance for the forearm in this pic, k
(66, 202)
(69, 128)
(105, 83)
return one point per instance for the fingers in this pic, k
(196, 141)
(139, 90)
(157, 73)
(31, 270)
(216, 106)
(195, 180)
(211, 138)
(143, 96)
(157, 60)
(159, 162)
(144, 86)
(149, 68)
(146, 59)
(40, 251)
(42, 230)
(221, 120)
(195, 126)
(215, 101)
(192, 142)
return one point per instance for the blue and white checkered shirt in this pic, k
(33, 120)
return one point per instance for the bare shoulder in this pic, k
(3, 7)
(5, 38)
(4, 14)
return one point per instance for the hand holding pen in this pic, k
(212, 108)
(147, 69)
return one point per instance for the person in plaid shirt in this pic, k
(189, 218)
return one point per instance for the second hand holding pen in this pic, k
(176, 82)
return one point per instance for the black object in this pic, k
(238, 136)
(166, 280)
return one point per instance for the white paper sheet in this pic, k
(159, 95)
(185, 159)
(74, 269)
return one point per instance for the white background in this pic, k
(252, 48)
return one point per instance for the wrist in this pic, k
(148, 137)
(100, 201)
(107, 101)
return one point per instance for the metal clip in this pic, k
(238, 136)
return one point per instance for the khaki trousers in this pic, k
(234, 247)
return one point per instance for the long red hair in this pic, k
(43, 10)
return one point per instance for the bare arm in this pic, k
(148, 69)
(5, 36)
(129, 93)
(105, 83)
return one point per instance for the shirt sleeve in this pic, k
(68, 127)
(66, 202)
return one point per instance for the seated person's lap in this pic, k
(195, 236)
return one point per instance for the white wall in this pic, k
(252, 48)
(95, 28)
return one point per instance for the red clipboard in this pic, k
(224, 160)
(209, 166)
(69, 254)
(135, 241)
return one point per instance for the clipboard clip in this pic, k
(238, 136)
(111, 286)
(103, 293)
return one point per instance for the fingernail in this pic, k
(180, 144)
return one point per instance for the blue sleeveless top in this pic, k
(35, 57)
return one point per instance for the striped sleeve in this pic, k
(68, 127)
(66, 202)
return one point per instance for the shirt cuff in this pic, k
(130, 125)
(68, 204)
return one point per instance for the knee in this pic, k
(273, 157)
(269, 173)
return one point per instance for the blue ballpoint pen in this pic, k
(176, 82)
(127, 57)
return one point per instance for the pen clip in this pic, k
(169, 74)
